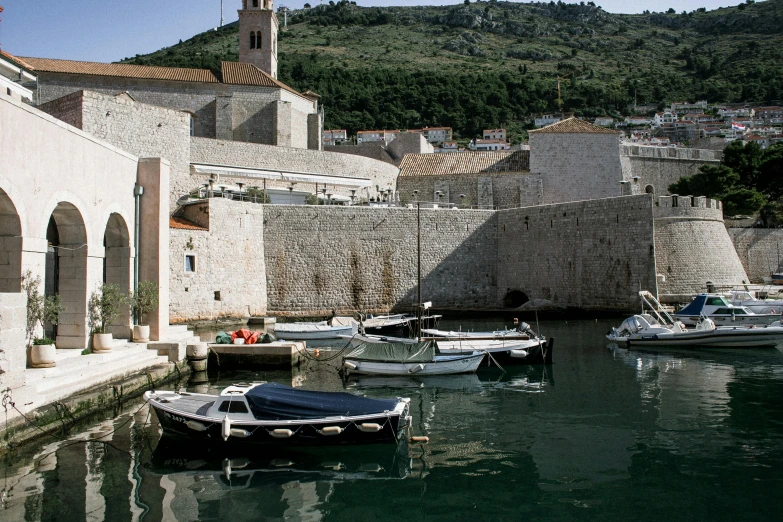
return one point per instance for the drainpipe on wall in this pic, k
(137, 192)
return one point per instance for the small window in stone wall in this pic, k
(190, 263)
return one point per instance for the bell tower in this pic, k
(258, 35)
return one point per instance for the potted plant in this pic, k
(40, 310)
(103, 309)
(143, 301)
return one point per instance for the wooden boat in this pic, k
(502, 351)
(717, 308)
(658, 328)
(271, 413)
(370, 358)
(310, 331)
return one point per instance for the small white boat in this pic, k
(503, 351)
(310, 331)
(371, 358)
(658, 328)
(717, 308)
(747, 300)
(395, 323)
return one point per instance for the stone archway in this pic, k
(649, 189)
(117, 267)
(515, 299)
(68, 273)
(10, 246)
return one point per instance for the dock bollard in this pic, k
(197, 354)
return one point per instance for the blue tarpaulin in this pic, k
(272, 401)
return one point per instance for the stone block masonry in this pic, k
(595, 255)
(227, 277)
(692, 247)
(653, 169)
(365, 259)
(760, 250)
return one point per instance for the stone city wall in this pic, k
(141, 129)
(365, 259)
(13, 350)
(595, 255)
(250, 155)
(760, 250)
(658, 167)
(576, 167)
(481, 190)
(229, 278)
(693, 247)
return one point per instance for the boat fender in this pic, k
(518, 354)
(416, 369)
(195, 425)
(349, 365)
(281, 433)
(316, 352)
(423, 440)
(370, 427)
(331, 430)
(227, 468)
(226, 428)
(236, 432)
(371, 468)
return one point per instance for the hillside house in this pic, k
(385, 136)
(335, 137)
(494, 134)
(435, 134)
(489, 145)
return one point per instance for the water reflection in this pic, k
(648, 435)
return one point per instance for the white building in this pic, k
(662, 118)
(435, 134)
(385, 136)
(335, 137)
(489, 145)
(494, 134)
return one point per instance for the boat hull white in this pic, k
(332, 332)
(440, 365)
(739, 337)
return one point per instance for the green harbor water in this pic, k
(603, 434)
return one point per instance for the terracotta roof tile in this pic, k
(574, 126)
(18, 61)
(464, 163)
(184, 224)
(122, 70)
(237, 73)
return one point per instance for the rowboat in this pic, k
(310, 331)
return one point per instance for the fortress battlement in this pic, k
(644, 151)
(688, 207)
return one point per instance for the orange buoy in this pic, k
(423, 440)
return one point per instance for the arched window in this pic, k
(255, 3)
(649, 189)
(259, 44)
(252, 40)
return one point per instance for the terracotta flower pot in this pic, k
(42, 356)
(141, 333)
(101, 342)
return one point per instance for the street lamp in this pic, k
(290, 194)
(353, 195)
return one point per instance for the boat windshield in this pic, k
(716, 301)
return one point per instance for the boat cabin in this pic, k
(232, 402)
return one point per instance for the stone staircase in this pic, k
(175, 343)
(75, 372)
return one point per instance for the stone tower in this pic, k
(258, 35)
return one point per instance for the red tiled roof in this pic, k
(122, 70)
(574, 126)
(18, 61)
(184, 224)
(464, 163)
(237, 73)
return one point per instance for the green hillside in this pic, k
(490, 64)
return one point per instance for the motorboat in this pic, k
(271, 413)
(746, 299)
(656, 327)
(523, 331)
(309, 331)
(721, 312)
(501, 351)
(397, 358)
(388, 324)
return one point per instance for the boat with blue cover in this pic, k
(717, 308)
(271, 413)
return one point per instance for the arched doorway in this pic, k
(10, 246)
(515, 299)
(649, 189)
(66, 273)
(117, 268)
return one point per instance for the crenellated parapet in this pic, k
(687, 207)
(673, 153)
